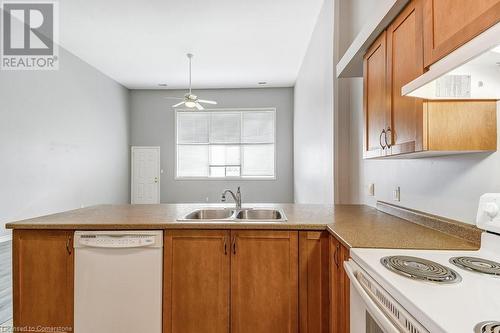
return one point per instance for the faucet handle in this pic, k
(238, 190)
(223, 198)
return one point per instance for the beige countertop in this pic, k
(354, 225)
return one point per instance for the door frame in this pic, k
(132, 182)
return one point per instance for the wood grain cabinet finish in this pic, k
(43, 269)
(413, 127)
(448, 24)
(404, 64)
(196, 281)
(264, 281)
(375, 101)
(339, 288)
(313, 282)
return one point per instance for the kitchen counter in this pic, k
(353, 225)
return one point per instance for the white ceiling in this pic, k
(236, 43)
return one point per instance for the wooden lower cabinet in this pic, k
(339, 288)
(196, 281)
(314, 282)
(230, 281)
(216, 281)
(43, 269)
(264, 281)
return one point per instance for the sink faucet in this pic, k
(236, 197)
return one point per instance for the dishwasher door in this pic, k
(118, 281)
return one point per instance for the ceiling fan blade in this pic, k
(178, 104)
(199, 107)
(206, 101)
(174, 98)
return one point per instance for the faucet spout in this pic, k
(236, 197)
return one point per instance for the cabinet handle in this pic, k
(234, 245)
(336, 255)
(68, 245)
(380, 139)
(389, 145)
(225, 246)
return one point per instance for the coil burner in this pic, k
(488, 327)
(477, 265)
(421, 269)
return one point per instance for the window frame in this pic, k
(234, 178)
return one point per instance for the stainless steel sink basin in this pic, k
(210, 214)
(259, 214)
(264, 215)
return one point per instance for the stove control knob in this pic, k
(491, 209)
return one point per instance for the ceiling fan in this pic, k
(190, 100)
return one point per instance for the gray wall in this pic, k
(64, 139)
(313, 116)
(153, 125)
(5, 282)
(447, 186)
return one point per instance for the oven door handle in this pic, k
(375, 311)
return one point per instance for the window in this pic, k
(225, 144)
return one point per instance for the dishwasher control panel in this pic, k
(116, 240)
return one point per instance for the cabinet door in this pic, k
(375, 98)
(339, 288)
(313, 281)
(196, 281)
(344, 291)
(264, 282)
(448, 24)
(335, 304)
(404, 63)
(43, 268)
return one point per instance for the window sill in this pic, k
(225, 178)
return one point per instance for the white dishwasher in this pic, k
(118, 281)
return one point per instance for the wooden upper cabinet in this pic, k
(404, 64)
(448, 24)
(43, 273)
(313, 281)
(264, 281)
(375, 101)
(396, 124)
(196, 281)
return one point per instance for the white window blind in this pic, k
(226, 144)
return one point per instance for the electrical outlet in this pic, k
(371, 189)
(396, 194)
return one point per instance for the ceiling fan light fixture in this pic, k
(190, 100)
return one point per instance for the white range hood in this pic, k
(470, 72)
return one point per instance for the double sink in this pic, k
(235, 215)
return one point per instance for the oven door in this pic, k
(369, 314)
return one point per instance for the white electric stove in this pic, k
(420, 291)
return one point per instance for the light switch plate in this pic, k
(371, 189)
(396, 194)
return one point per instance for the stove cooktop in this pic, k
(440, 307)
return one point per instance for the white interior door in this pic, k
(145, 175)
